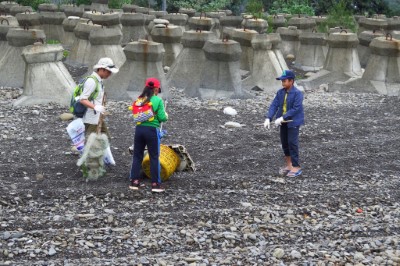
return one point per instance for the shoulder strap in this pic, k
(96, 90)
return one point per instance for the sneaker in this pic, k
(135, 184)
(156, 187)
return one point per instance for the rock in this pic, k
(295, 254)
(52, 251)
(278, 253)
(66, 116)
(230, 111)
(232, 124)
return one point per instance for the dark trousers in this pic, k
(290, 143)
(150, 137)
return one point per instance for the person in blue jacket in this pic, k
(287, 106)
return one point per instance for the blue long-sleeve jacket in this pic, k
(294, 104)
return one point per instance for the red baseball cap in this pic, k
(152, 82)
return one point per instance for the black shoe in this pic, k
(135, 184)
(157, 188)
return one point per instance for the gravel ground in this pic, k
(234, 210)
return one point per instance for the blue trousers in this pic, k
(150, 137)
(290, 143)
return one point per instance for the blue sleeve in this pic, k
(297, 106)
(273, 108)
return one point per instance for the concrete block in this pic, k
(170, 37)
(28, 19)
(290, 40)
(312, 51)
(244, 38)
(259, 25)
(108, 19)
(72, 10)
(365, 39)
(202, 23)
(47, 8)
(302, 23)
(20, 9)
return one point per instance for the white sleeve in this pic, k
(88, 88)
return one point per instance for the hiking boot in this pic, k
(157, 188)
(135, 184)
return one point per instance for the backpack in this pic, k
(75, 105)
(142, 111)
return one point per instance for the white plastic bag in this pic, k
(76, 131)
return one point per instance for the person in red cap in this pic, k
(147, 133)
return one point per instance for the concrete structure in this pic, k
(382, 74)
(134, 26)
(52, 24)
(372, 24)
(342, 62)
(290, 40)
(29, 19)
(72, 10)
(144, 59)
(105, 42)
(5, 6)
(278, 21)
(201, 23)
(69, 25)
(81, 48)
(259, 25)
(109, 19)
(127, 8)
(266, 65)
(177, 19)
(244, 38)
(302, 23)
(393, 24)
(12, 66)
(99, 5)
(230, 21)
(276, 43)
(47, 8)
(184, 72)
(190, 12)
(312, 51)
(365, 39)
(20, 9)
(46, 79)
(220, 77)
(158, 14)
(6, 23)
(170, 37)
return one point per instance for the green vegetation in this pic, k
(117, 4)
(52, 42)
(339, 16)
(255, 7)
(292, 7)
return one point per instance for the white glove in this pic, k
(267, 123)
(278, 122)
(99, 108)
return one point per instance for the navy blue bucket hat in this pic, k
(287, 74)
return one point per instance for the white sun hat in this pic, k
(106, 63)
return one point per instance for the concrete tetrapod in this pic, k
(47, 7)
(382, 74)
(134, 26)
(184, 72)
(105, 42)
(6, 23)
(278, 21)
(363, 49)
(170, 37)
(52, 25)
(244, 38)
(266, 66)
(177, 19)
(20, 9)
(27, 19)
(259, 25)
(46, 78)
(341, 64)
(372, 24)
(81, 48)
(290, 40)
(5, 6)
(109, 19)
(201, 23)
(143, 60)
(12, 65)
(99, 5)
(312, 51)
(276, 42)
(72, 10)
(220, 76)
(69, 25)
(302, 23)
